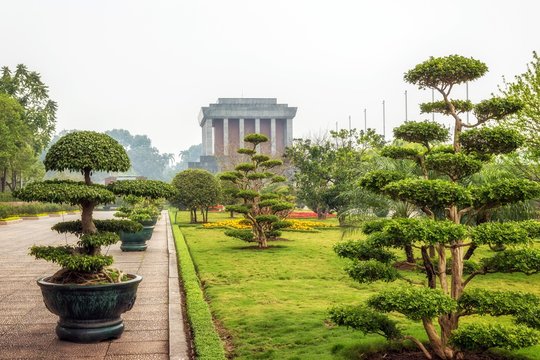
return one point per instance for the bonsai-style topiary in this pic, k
(263, 204)
(456, 219)
(82, 292)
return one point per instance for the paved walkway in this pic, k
(27, 327)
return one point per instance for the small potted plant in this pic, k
(87, 295)
(143, 211)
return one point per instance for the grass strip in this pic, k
(205, 337)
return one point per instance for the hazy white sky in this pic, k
(148, 66)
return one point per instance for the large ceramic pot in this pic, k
(89, 313)
(135, 241)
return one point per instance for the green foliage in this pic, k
(372, 270)
(266, 218)
(152, 189)
(442, 72)
(247, 194)
(206, 341)
(255, 139)
(525, 261)
(65, 191)
(497, 108)
(281, 206)
(268, 164)
(376, 180)
(244, 235)
(71, 259)
(505, 191)
(413, 302)
(87, 150)
(529, 317)
(245, 151)
(399, 152)
(401, 232)
(327, 170)
(526, 88)
(421, 132)
(116, 226)
(99, 239)
(374, 226)
(508, 233)
(487, 141)
(496, 303)
(362, 250)
(460, 106)
(241, 209)
(245, 167)
(196, 189)
(482, 337)
(8, 210)
(456, 166)
(365, 320)
(435, 194)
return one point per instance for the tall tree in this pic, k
(326, 168)
(526, 88)
(38, 116)
(197, 190)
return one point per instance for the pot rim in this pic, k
(42, 282)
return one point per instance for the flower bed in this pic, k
(296, 225)
(306, 215)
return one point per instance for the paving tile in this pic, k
(27, 328)
(138, 348)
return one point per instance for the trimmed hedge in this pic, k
(10, 210)
(206, 340)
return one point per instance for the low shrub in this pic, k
(10, 210)
(206, 340)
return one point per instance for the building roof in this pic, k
(246, 108)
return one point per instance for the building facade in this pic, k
(225, 123)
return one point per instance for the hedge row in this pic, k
(9, 210)
(6, 197)
(206, 340)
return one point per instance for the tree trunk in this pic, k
(432, 252)
(430, 269)
(88, 226)
(409, 253)
(440, 349)
(231, 214)
(321, 215)
(3, 180)
(470, 252)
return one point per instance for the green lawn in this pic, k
(273, 303)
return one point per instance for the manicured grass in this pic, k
(273, 303)
(206, 341)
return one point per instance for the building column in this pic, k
(209, 137)
(225, 136)
(257, 131)
(203, 130)
(288, 133)
(241, 132)
(273, 136)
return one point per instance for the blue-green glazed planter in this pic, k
(89, 313)
(136, 241)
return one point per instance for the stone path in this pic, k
(27, 327)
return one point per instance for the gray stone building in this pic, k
(225, 124)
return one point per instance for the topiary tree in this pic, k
(196, 189)
(86, 152)
(450, 205)
(262, 203)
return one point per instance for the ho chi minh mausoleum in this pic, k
(225, 124)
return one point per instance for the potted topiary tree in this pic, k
(144, 211)
(87, 295)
